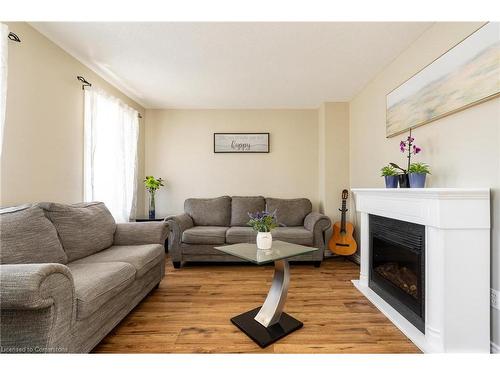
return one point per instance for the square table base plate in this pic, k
(265, 336)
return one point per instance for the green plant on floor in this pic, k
(421, 168)
(388, 170)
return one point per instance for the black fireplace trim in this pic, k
(388, 229)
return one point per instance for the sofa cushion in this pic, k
(141, 257)
(241, 235)
(241, 206)
(204, 235)
(213, 211)
(27, 236)
(97, 283)
(296, 235)
(289, 212)
(83, 228)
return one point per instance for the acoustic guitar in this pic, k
(342, 242)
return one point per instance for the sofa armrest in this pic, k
(178, 224)
(37, 303)
(141, 233)
(318, 224)
(316, 220)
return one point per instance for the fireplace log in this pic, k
(401, 276)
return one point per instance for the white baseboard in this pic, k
(408, 329)
(495, 349)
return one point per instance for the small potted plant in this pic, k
(263, 222)
(390, 175)
(417, 173)
(152, 184)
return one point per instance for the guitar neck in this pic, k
(343, 219)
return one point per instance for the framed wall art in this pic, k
(241, 142)
(466, 75)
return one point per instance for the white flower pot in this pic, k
(264, 240)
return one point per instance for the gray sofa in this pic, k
(69, 274)
(216, 221)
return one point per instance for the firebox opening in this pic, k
(397, 266)
(401, 276)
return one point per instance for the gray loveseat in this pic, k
(69, 274)
(216, 221)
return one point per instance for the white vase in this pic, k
(264, 240)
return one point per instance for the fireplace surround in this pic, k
(455, 279)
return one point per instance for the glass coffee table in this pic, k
(268, 323)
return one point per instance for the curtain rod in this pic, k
(84, 81)
(88, 84)
(14, 37)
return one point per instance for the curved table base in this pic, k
(268, 323)
(265, 336)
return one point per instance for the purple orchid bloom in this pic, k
(402, 146)
(407, 146)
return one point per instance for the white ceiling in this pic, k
(235, 65)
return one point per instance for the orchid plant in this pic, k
(407, 146)
(263, 221)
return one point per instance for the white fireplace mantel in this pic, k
(457, 263)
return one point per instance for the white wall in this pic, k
(42, 156)
(334, 156)
(179, 148)
(462, 149)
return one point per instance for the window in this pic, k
(110, 160)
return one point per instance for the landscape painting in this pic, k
(466, 75)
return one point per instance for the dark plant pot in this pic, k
(403, 181)
(417, 180)
(391, 182)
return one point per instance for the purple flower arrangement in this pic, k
(263, 221)
(407, 146)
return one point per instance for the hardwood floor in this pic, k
(190, 312)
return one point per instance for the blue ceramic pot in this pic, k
(417, 180)
(391, 182)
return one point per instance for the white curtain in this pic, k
(110, 156)
(4, 33)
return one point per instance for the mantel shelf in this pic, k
(430, 193)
